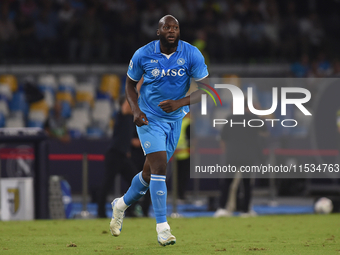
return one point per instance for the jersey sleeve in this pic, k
(198, 69)
(135, 71)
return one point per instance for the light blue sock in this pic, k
(137, 189)
(158, 194)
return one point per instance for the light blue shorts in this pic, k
(160, 136)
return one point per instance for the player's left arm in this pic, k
(200, 73)
(173, 105)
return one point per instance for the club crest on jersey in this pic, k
(180, 61)
(147, 144)
(155, 72)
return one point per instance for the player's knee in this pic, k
(159, 169)
(146, 176)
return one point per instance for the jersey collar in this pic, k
(158, 47)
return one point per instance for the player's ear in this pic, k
(157, 32)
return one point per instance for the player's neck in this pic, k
(168, 50)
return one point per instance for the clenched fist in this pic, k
(139, 118)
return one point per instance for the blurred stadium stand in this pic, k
(88, 105)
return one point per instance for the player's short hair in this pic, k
(162, 20)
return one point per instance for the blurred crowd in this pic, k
(109, 31)
(318, 67)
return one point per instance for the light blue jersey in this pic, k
(165, 77)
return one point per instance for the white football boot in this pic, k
(222, 213)
(166, 238)
(116, 223)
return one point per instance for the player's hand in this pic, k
(140, 119)
(169, 105)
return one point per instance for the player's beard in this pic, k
(167, 44)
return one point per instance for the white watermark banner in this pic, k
(265, 127)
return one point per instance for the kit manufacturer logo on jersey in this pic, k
(154, 61)
(155, 72)
(180, 61)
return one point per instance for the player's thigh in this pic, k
(153, 142)
(152, 137)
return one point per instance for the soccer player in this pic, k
(166, 65)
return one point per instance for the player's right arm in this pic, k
(139, 117)
(134, 74)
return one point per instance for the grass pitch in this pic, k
(301, 234)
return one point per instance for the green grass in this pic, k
(302, 234)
